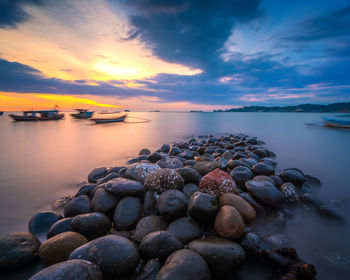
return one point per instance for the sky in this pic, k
(174, 54)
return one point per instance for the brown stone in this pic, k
(217, 182)
(243, 207)
(58, 248)
(229, 223)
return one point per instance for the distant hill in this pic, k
(334, 107)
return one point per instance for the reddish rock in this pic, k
(218, 182)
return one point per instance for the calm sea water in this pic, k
(41, 162)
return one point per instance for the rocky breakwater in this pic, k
(186, 211)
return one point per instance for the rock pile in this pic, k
(186, 211)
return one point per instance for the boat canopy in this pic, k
(81, 110)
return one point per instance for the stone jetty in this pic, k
(186, 211)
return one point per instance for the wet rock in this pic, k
(121, 187)
(190, 162)
(165, 148)
(149, 204)
(222, 163)
(108, 177)
(139, 171)
(265, 192)
(18, 250)
(242, 206)
(251, 140)
(328, 211)
(59, 204)
(204, 167)
(268, 160)
(103, 201)
(58, 248)
(70, 270)
(189, 189)
(115, 255)
(239, 154)
(261, 153)
(96, 174)
(186, 154)
(234, 163)
(229, 223)
(289, 193)
(259, 209)
(262, 168)
(41, 222)
(189, 175)
(60, 226)
(86, 189)
(249, 161)
(127, 213)
(92, 225)
(159, 244)
(133, 160)
(150, 270)
(144, 152)
(164, 179)
(149, 224)
(184, 264)
(277, 241)
(79, 205)
(185, 229)
(254, 246)
(203, 207)
(228, 155)
(311, 180)
(172, 204)
(171, 163)
(311, 199)
(154, 157)
(241, 174)
(223, 256)
(265, 178)
(294, 176)
(217, 182)
(174, 151)
(277, 180)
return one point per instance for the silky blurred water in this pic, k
(41, 161)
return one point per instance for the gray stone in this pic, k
(122, 187)
(172, 204)
(265, 192)
(186, 229)
(164, 179)
(41, 222)
(149, 224)
(203, 207)
(79, 205)
(60, 226)
(127, 213)
(139, 171)
(103, 201)
(96, 174)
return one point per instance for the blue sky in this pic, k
(171, 54)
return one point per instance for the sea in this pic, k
(43, 161)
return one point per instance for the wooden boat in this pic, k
(44, 115)
(337, 123)
(82, 114)
(1, 113)
(109, 119)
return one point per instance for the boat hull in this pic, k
(108, 120)
(1, 113)
(332, 124)
(86, 115)
(18, 118)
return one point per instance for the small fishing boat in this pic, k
(43, 115)
(82, 114)
(109, 118)
(336, 123)
(1, 113)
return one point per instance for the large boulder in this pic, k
(184, 264)
(265, 192)
(203, 207)
(139, 171)
(92, 225)
(186, 229)
(70, 270)
(115, 255)
(204, 167)
(96, 174)
(18, 250)
(229, 223)
(242, 206)
(103, 201)
(60, 226)
(164, 179)
(217, 182)
(190, 175)
(149, 224)
(58, 248)
(159, 244)
(223, 256)
(293, 175)
(172, 204)
(41, 222)
(127, 213)
(79, 205)
(122, 187)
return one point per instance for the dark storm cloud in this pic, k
(190, 32)
(11, 12)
